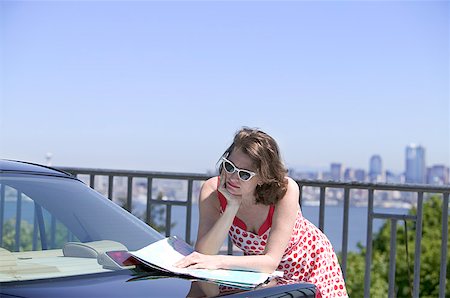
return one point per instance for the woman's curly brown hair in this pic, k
(265, 154)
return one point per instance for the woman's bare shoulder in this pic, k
(291, 184)
(292, 192)
(211, 183)
(209, 187)
(208, 196)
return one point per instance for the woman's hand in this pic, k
(200, 261)
(231, 199)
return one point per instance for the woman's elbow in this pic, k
(271, 264)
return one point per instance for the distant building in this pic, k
(336, 171)
(360, 175)
(349, 174)
(415, 169)
(391, 177)
(438, 175)
(375, 168)
(325, 176)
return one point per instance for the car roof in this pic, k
(15, 166)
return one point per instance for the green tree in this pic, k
(430, 261)
(9, 235)
(356, 270)
(26, 235)
(429, 258)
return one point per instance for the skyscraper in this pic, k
(375, 168)
(336, 171)
(415, 170)
(360, 175)
(437, 174)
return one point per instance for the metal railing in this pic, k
(420, 190)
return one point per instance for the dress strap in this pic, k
(222, 199)
(268, 222)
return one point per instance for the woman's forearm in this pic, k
(212, 241)
(259, 263)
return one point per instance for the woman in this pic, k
(257, 205)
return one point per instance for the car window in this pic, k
(43, 218)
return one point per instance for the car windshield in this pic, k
(55, 226)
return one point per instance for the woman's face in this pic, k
(233, 183)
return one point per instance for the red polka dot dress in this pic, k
(309, 256)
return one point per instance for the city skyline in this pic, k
(416, 170)
(164, 85)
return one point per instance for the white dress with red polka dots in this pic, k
(309, 256)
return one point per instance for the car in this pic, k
(61, 238)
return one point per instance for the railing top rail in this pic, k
(135, 173)
(375, 186)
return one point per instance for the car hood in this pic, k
(116, 284)
(131, 283)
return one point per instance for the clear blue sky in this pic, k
(164, 85)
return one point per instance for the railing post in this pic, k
(189, 211)
(322, 209)
(148, 213)
(129, 193)
(41, 224)
(368, 244)
(168, 219)
(300, 188)
(92, 180)
(393, 251)
(18, 221)
(417, 251)
(345, 231)
(110, 187)
(230, 246)
(443, 270)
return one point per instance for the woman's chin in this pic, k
(234, 191)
